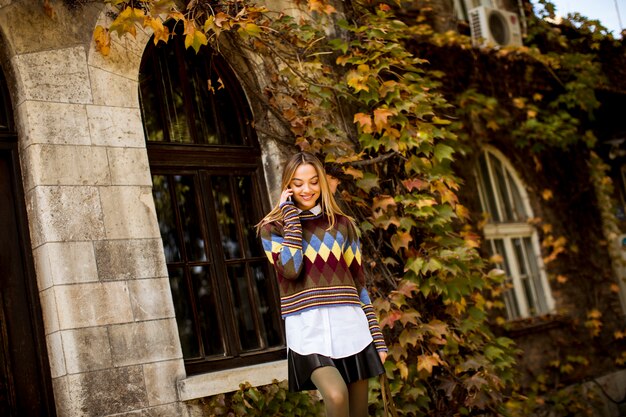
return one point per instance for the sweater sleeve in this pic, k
(283, 247)
(352, 256)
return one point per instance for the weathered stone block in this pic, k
(64, 213)
(105, 392)
(53, 123)
(130, 259)
(129, 212)
(56, 356)
(147, 341)
(94, 304)
(129, 166)
(161, 380)
(62, 399)
(58, 75)
(110, 89)
(151, 299)
(65, 165)
(48, 303)
(123, 59)
(86, 349)
(116, 126)
(66, 262)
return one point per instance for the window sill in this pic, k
(537, 324)
(213, 383)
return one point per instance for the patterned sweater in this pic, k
(317, 267)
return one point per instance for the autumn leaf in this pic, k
(353, 172)
(161, 32)
(320, 6)
(390, 319)
(364, 121)
(102, 37)
(127, 21)
(546, 194)
(194, 38)
(415, 183)
(383, 202)
(380, 118)
(428, 362)
(401, 240)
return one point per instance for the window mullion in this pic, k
(518, 289)
(497, 195)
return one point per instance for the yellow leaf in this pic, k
(161, 33)
(357, 81)
(615, 288)
(194, 38)
(127, 20)
(561, 279)
(102, 37)
(546, 194)
(404, 370)
(594, 314)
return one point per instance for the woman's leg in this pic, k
(334, 391)
(357, 392)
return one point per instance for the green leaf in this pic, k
(443, 152)
(369, 181)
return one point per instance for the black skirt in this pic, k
(363, 365)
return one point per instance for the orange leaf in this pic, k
(382, 202)
(380, 118)
(364, 121)
(428, 362)
(401, 240)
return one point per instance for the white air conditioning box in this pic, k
(494, 27)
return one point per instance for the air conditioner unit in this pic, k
(495, 27)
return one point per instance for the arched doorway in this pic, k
(25, 384)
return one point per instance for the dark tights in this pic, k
(340, 400)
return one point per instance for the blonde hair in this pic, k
(327, 200)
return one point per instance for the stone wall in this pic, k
(109, 319)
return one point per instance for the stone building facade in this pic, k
(100, 327)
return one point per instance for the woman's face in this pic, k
(305, 185)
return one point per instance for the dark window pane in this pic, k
(501, 189)
(249, 215)
(242, 305)
(520, 211)
(488, 189)
(207, 311)
(185, 188)
(226, 217)
(153, 120)
(268, 311)
(184, 314)
(167, 219)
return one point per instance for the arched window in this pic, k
(208, 189)
(509, 235)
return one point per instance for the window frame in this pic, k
(507, 231)
(203, 161)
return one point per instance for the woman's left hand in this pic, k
(382, 356)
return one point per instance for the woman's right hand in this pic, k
(285, 195)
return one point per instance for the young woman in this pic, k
(333, 337)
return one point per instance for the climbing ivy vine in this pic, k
(351, 86)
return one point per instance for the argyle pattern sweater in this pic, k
(317, 267)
